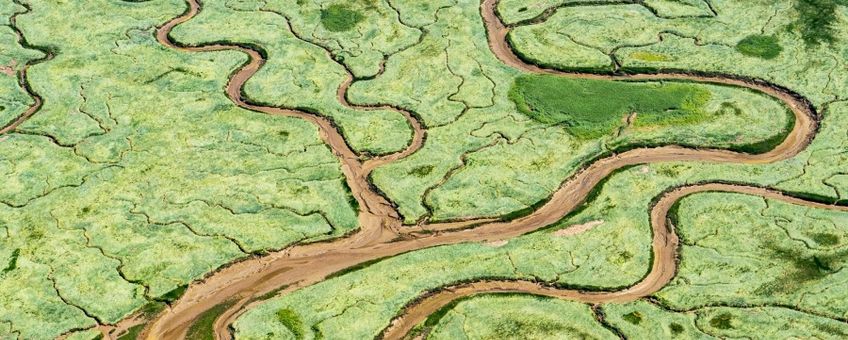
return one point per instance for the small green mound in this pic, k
(340, 18)
(291, 320)
(633, 317)
(421, 171)
(593, 108)
(760, 46)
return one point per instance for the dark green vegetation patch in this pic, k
(13, 261)
(132, 333)
(825, 239)
(203, 327)
(174, 294)
(633, 317)
(807, 266)
(593, 108)
(760, 46)
(340, 18)
(722, 321)
(516, 328)
(422, 171)
(817, 20)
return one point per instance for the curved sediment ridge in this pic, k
(380, 234)
(665, 247)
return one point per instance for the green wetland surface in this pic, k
(138, 177)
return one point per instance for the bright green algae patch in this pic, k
(593, 108)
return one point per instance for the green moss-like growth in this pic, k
(760, 46)
(422, 171)
(593, 108)
(291, 320)
(340, 18)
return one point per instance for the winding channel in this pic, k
(665, 247)
(381, 233)
(23, 79)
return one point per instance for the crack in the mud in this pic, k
(52, 278)
(601, 318)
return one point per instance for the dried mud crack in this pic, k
(380, 234)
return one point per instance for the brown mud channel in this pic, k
(381, 233)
